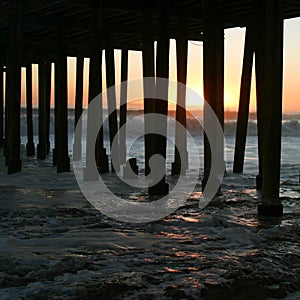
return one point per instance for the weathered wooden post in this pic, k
(30, 144)
(270, 63)
(259, 73)
(111, 101)
(6, 96)
(78, 108)
(243, 113)
(149, 85)
(14, 163)
(123, 105)
(42, 145)
(95, 88)
(180, 164)
(161, 101)
(48, 70)
(1, 108)
(61, 104)
(213, 66)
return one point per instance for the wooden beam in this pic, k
(181, 157)
(123, 105)
(6, 115)
(259, 73)
(161, 106)
(42, 145)
(149, 85)
(30, 144)
(111, 101)
(1, 109)
(213, 67)
(96, 153)
(14, 163)
(61, 104)
(243, 113)
(48, 72)
(272, 59)
(78, 109)
(95, 87)
(30, 8)
(76, 25)
(91, 173)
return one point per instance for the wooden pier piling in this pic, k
(42, 145)
(95, 89)
(149, 85)
(61, 104)
(111, 101)
(259, 73)
(272, 76)
(6, 96)
(124, 26)
(181, 161)
(1, 109)
(48, 71)
(14, 163)
(243, 112)
(161, 102)
(123, 105)
(213, 67)
(30, 150)
(78, 109)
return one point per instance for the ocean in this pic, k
(56, 245)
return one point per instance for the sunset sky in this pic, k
(234, 43)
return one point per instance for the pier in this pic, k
(47, 32)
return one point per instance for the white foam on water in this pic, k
(55, 244)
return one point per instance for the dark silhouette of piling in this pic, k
(78, 108)
(243, 113)
(149, 85)
(271, 56)
(259, 72)
(95, 89)
(157, 21)
(161, 92)
(1, 109)
(42, 145)
(30, 150)
(181, 161)
(48, 71)
(123, 106)
(111, 101)
(6, 117)
(13, 103)
(213, 66)
(61, 104)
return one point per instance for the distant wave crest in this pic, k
(289, 127)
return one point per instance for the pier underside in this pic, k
(47, 32)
